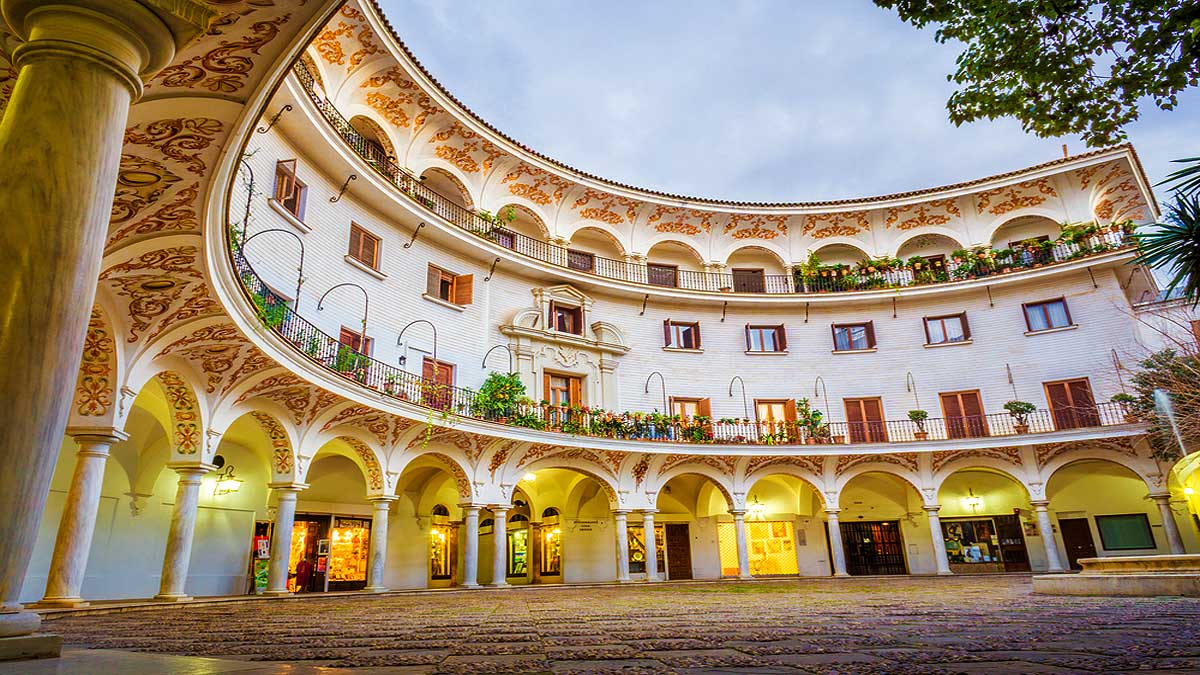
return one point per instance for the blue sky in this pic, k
(764, 100)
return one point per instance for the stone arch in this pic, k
(810, 479)
(906, 475)
(1153, 481)
(527, 222)
(674, 251)
(373, 132)
(841, 254)
(587, 469)
(356, 450)
(1022, 224)
(928, 235)
(445, 462)
(718, 482)
(997, 479)
(450, 183)
(600, 238)
(282, 444)
(1004, 461)
(771, 251)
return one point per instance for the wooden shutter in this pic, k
(854, 420)
(789, 410)
(696, 328)
(285, 180)
(433, 281)
(749, 343)
(972, 407)
(429, 369)
(1060, 405)
(925, 323)
(1083, 406)
(349, 338)
(870, 325)
(833, 331)
(575, 392)
(965, 326)
(464, 289)
(666, 332)
(546, 387)
(873, 413)
(781, 338)
(704, 407)
(356, 237)
(365, 347)
(370, 254)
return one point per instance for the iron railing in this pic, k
(799, 281)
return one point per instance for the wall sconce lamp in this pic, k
(756, 510)
(1188, 492)
(972, 501)
(529, 477)
(226, 482)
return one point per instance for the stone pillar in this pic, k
(1046, 530)
(500, 546)
(651, 545)
(68, 566)
(179, 538)
(939, 541)
(743, 549)
(621, 529)
(56, 184)
(379, 537)
(635, 267)
(281, 541)
(470, 546)
(837, 551)
(558, 255)
(1170, 527)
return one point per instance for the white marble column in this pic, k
(1046, 530)
(1170, 527)
(470, 578)
(179, 538)
(939, 541)
(379, 537)
(837, 552)
(651, 545)
(743, 548)
(281, 541)
(499, 546)
(78, 72)
(621, 529)
(68, 566)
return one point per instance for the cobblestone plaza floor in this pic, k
(870, 626)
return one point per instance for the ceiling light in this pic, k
(529, 477)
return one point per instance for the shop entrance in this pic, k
(985, 544)
(547, 553)
(771, 548)
(679, 551)
(873, 547)
(636, 535)
(329, 553)
(443, 548)
(1077, 540)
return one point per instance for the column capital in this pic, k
(108, 435)
(621, 512)
(1161, 497)
(737, 513)
(1040, 504)
(470, 507)
(932, 509)
(648, 512)
(190, 470)
(288, 488)
(500, 508)
(133, 39)
(832, 512)
(381, 499)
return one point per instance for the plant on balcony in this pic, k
(350, 363)
(271, 310)
(391, 384)
(810, 420)
(498, 396)
(918, 417)
(917, 263)
(1127, 402)
(1005, 258)
(697, 429)
(1020, 412)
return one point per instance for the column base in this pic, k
(745, 576)
(470, 585)
(502, 584)
(57, 603)
(161, 597)
(946, 573)
(19, 623)
(840, 574)
(375, 589)
(275, 594)
(626, 580)
(1060, 571)
(32, 646)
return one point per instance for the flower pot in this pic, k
(810, 441)
(839, 439)
(502, 420)
(920, 435)
(1021, 428)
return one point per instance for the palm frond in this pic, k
(1175, 245)
(1187, 179)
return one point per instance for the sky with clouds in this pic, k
(757, 100)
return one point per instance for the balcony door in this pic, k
(1072, 404)
(963, 412)
(864, 418)
(748, 281)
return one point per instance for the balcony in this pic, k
(823, 279)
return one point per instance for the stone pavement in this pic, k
(867, 626)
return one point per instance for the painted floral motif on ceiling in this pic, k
(723, 463)
(500, 456)
(93, 389)
(224, 68)
(182, 139)
(369, 463)
(461, 482)
(1115, 195)
(812, 465)
(906, 460)
(912, 216)
(185, 415)
(1009, 198)
(399, 100)
(826, 225)
(348, 23)
(163, 288)
(226, 357)
(679, 220)
(752, 226)
(1045, 452)
(301, 399)
(534, 187)
(1008, 455)
(461, 147)
(281, 449)
(605, 207)
(386, 428)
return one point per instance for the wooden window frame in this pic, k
(574, 388)
(669, 327)
(780, 338)
(363, 236)
(870, 331)
(961, 316)
(298, 193)
(1090, 414)
(703, 405)
(462, 286)
(873, 431)
(1026, 306)
(969, 427)
(358, 342)
(575, 311)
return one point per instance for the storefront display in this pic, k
(348, 550)
(637, 547)
(986, 544)
(439, 552)
(771, 548)
(518, 553)
(551, 551)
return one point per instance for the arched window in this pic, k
(440, 510)
(519, 518)
(550, 512)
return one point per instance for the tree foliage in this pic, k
(1178, 374)
(1175, 245)
(1064, 67)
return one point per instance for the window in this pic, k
(688, 408)
(355, 341)
(1046, 315)
(454, 288)
(1072, 404)
(681, 335)
(848, 337)
(550, 544)
(581, 260)
(437, 387)
(566, 319)
(940, 330)
(662, 275)
(864, 417)
(563, 391)
(748, 281)
(290, 193)
(774, 416)
(1125, 532)
(364, 247)
(963, 412)
(766, 338)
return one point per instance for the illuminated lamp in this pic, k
(529, 477)
(226, 482)
(972, 501)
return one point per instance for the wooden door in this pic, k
(873, 547)
(437, 388)
(1012, 543)
(963, 412)
(1071, 404)
(748, 281)
(1077, 540)
(679, 551)
(864, 417)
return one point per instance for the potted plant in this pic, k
(390, 384)
(1020, 411)
(1127, 402)
(918, 417)
(498, 396)
(917, 263)
(809, 420)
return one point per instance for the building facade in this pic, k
(319, 265)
